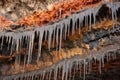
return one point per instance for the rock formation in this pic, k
(46, 40)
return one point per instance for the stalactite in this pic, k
(2, 42)
(41, 31)
(12, 46)
(80, 67)
(57, 37)
(16, 41)
(73, 23)
(10, 38)
(61, 31)
(68, 30)
(30, 45)
(84, 64)
(89, 66)
(43, 75)
(86, 21)
(63, 71)
(50, 36)
(103, 59)
(66, 27)
(67, 68)
(55, 73)
(54, 34)
(17, 44)
(114, 7)
(90, 20)
(81, 17)
(46, 33)
(50, 74)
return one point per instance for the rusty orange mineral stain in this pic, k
(55, 11)
(4, 23)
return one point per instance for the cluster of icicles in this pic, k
(70, 66)
(56, 30)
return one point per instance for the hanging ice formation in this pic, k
(58, 30)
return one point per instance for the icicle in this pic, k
(113, 18)
(67, 68)
(55, 73)
(20, 42)
(94, 16)
(81, 18)
(27, 38)
(59, 69)
(63, 71)
(90, 22)
(9, 42)
(73, 23)
(76, 65)
(50, 74)
(61, 30)
(40, 42)
(32, 78)
(46, 35)
(95, 11)
(43, 75)
(17, 44)
(68, 30)
(103, 59)
(54, 35)
(79, 25)
(80, 66)
(57, 38)
(12, 46)
(30, 45)
(113, 8)
(86, 20)
(76, 25)
(70, 68)
(46, 76)
(66, 26)
(73, 71)
(84, 69)
(7, 37)
(39, 73)
(2, 42)
(50, 36)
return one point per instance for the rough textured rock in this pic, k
(73, 44)
(15, 9)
